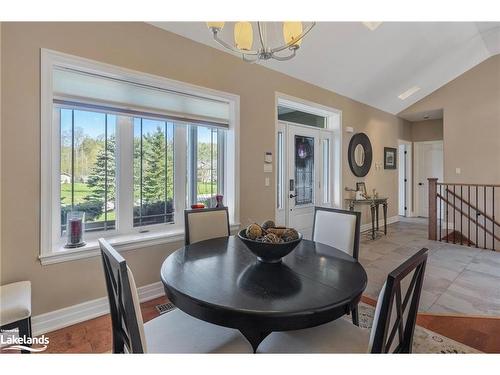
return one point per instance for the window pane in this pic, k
(299, 117)
(205, 152)
(88, 167)
(326, 171)
(280, 166)
(153, 172)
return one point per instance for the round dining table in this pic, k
(220, 281)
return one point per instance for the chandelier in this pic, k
(293, 33)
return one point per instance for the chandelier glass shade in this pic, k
(243, 43)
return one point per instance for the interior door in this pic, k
(429, 164)
(403, 205)
(309, 165)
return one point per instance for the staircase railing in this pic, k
(464, 214)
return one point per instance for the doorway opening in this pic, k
(428, 164)
(308, 160)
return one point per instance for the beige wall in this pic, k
(429, 130)
(0, 145)
(471, 124)
(145, 48)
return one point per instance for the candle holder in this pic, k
(75, 227)
(218, 199)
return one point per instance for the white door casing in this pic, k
(327, 179)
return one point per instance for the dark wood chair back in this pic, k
(357, 215)
(397, 307)
(221, 227)
(125, 325)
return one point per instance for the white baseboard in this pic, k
(87, 310)
(390, 220)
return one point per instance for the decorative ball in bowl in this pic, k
(268, 242)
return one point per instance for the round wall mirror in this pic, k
(360, 154)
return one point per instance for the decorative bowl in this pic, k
(268, 252)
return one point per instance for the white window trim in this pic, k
(51, 250)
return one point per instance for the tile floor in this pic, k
(459, 279)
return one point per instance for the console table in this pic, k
(374, 203)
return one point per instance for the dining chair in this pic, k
(393, 322)
(205, 223)
(339, 229)
(171, 332)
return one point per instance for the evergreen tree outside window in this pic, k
(153, 172)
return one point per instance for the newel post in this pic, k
(432, 208)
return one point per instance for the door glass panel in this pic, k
(304, 170)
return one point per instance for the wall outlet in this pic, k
(267, 182)
(458, 170)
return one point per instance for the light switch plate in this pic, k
(268, 168)
(458, 170)
(267, 182)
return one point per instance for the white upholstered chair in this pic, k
(393, 323)
(339, 229)
(206, 223)
(172, 332)
(15, 308)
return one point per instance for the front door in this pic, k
(429, 164)
(309, 168)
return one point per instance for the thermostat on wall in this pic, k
(268, 157)
(349, 129)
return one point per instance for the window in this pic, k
(153, 172)
(131, 152)
(280, 172)
(206, 155)
(326, 171)
(88, 167)
(300, 117)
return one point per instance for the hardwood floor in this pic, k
(94, 336)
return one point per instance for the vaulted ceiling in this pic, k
(375, 67)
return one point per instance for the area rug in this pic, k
(424, 340)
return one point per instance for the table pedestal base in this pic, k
(254, 338)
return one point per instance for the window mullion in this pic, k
(180, 172)
(124, 173)
(192, 166)
(221, 145)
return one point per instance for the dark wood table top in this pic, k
(221, 281)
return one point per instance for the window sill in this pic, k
(120, 243)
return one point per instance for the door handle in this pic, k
(293, 196)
